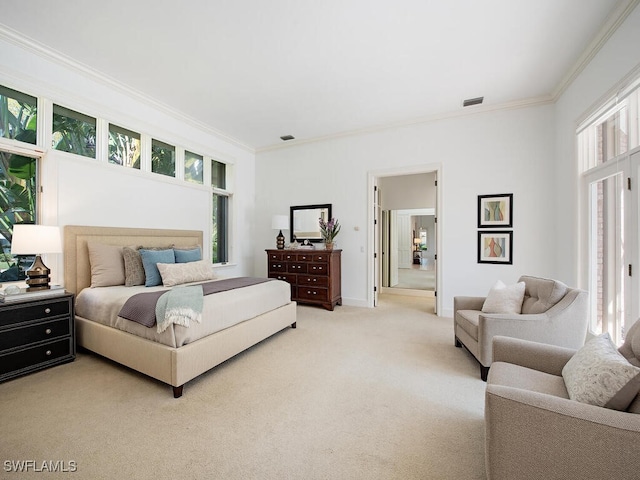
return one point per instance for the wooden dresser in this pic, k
(314, 275)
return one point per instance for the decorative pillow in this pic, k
(179, 273)
(504, 299)
(599, 375)
(150, 259)
(133, 269)
(107, 265)
(185, 255)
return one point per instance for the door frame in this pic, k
(374, 256)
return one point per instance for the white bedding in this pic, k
(221, 310)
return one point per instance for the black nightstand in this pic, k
(36, 334)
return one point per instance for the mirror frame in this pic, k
(292, 210)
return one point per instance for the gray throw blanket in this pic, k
(141, 307)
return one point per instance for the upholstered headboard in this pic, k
(77, 269)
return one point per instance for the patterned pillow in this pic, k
(504, 299)
(150, 260)
(133, 269)
(599, 375)
(107, 266)
(179, 273)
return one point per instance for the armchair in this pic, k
(534, 431)
(551, 313)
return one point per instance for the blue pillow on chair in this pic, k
(150, 259)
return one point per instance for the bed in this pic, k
(180, 358)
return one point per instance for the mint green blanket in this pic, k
(179, 306)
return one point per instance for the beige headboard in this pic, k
(77, 269)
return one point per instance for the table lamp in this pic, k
(36, 240)
(280, 222)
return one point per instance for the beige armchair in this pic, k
(551, 313)
(533, 431)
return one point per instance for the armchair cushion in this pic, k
(516, 376)
(541, 293)
(599, 375)
(504, 299)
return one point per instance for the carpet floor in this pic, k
(352, 394)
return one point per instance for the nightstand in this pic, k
(36, 334)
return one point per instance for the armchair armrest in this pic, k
(556, 437)
(468, 303)
(546, 358)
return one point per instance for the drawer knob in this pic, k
(47, 310)
(48, 331)
(48, 353)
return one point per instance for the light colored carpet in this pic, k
(417, 278)
(351, 394)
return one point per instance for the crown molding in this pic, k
(468, 111)
(59, 58)
(619, 14)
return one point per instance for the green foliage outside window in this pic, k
(163, 158)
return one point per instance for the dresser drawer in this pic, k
(297, 268)
(319, 257)
(18, 313)
(277, 266)
(313, 293)
(276, 256)
(34, 333)
(318, 268)
(305, 257)
(32, 357)
(313, 280)
(287, 277)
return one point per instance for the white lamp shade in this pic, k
(35, 240)
(280, 222)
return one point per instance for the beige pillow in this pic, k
(133, 269)
(504, 298)
(107, 265)
(179, 273)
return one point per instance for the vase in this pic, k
(328, 246)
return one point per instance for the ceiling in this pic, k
(255, 70)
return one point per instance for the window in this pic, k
(163, 158)
(74, 132)
(220, 213)
(124, 147)
(18, 115)
(193, 167)
(18, 201)
(610, 159)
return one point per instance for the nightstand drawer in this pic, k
(34, 356)
(18, 313)
(33, 333)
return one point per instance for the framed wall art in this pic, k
(495, 247)
(495, 211)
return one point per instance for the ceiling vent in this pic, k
(287, 137)
(472, 101)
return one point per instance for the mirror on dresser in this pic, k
(303, 221)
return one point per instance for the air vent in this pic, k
(472, 101)
(287, 137)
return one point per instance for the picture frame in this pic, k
(495, 247)
(495, 211)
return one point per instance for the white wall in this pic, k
(407, 191)
(80, 191)
(509, 151)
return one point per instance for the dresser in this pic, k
(36, 334)
(314, 275)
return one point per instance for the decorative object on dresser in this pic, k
(315, 276)
(36, 240)
(36, 334)
(329, 231)
(304, 221)
(280, 222)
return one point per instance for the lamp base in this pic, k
(280, 241)
(38, 276)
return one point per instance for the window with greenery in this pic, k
(18, 201)
(124, 147)
(193, 164)
(218, 174)
(74, 132)
(163, 158)
(220, 216)
(18, 115)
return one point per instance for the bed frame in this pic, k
(174, 366)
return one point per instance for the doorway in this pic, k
(403, 235)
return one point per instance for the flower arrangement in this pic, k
(329, 230)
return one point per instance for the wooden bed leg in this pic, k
(177, 391)
(293, 325)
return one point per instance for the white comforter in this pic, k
(221, 310)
